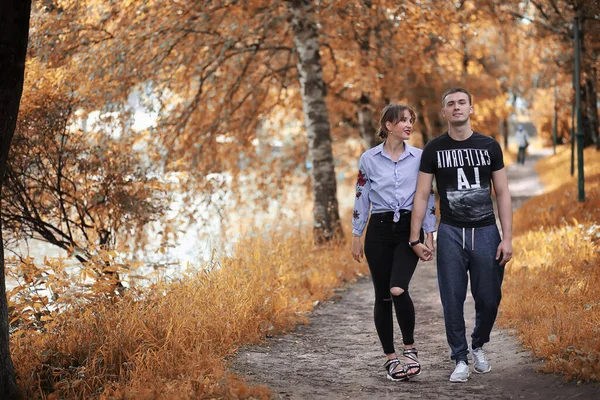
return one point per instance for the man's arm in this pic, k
(500, 181)
(423, 190)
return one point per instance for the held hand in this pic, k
(357, 248)
(423, 252)
(505, 250)
(429, 242)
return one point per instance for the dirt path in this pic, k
(338, 356)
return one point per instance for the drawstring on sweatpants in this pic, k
(472, 239)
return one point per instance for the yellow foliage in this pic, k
(173, 342)
(552, 287)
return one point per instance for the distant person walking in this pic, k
(522, 140)
(385, 190)
(465, 165)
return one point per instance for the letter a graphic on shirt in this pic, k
(463, 183)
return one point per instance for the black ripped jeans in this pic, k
(392, 264)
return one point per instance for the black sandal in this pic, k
(412, 354)
(393, 374)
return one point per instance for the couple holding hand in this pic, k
(394, 188)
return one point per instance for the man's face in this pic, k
(457, 109)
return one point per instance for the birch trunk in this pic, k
(327, 224)
(14, 34)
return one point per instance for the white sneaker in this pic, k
(461, 372)
(480, 363)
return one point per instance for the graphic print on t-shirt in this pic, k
(468, 197)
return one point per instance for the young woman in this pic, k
(385, 189)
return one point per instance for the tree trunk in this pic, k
(366, 126)
(506, 124)
(421, 121)
(586, 117)
(589, 110)
(434, 118)
(592, 108)
(435, 121)
(365, 122)
(316, 119)
(505, 133)
(14, 34)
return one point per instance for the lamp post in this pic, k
(573, 131)
(579, 134)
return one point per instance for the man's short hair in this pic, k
(456, 90)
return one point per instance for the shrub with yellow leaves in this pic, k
(172, 341)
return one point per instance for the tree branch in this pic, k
(538, 22)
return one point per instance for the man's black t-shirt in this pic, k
(463, 172)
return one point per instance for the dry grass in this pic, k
(552, 288)
(174, 342)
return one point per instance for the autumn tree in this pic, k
(221, 72)
(376, 66)
(411, 52)
(553, 20)
(221, 68)
(316, 118)
(14, 31)
(80, 188)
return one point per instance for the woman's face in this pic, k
(403, 128)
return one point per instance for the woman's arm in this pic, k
(362, 208)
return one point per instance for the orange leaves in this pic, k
(75, 182)
(551, 289)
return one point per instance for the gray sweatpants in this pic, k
(473, 251)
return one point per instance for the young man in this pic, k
(465, 164)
